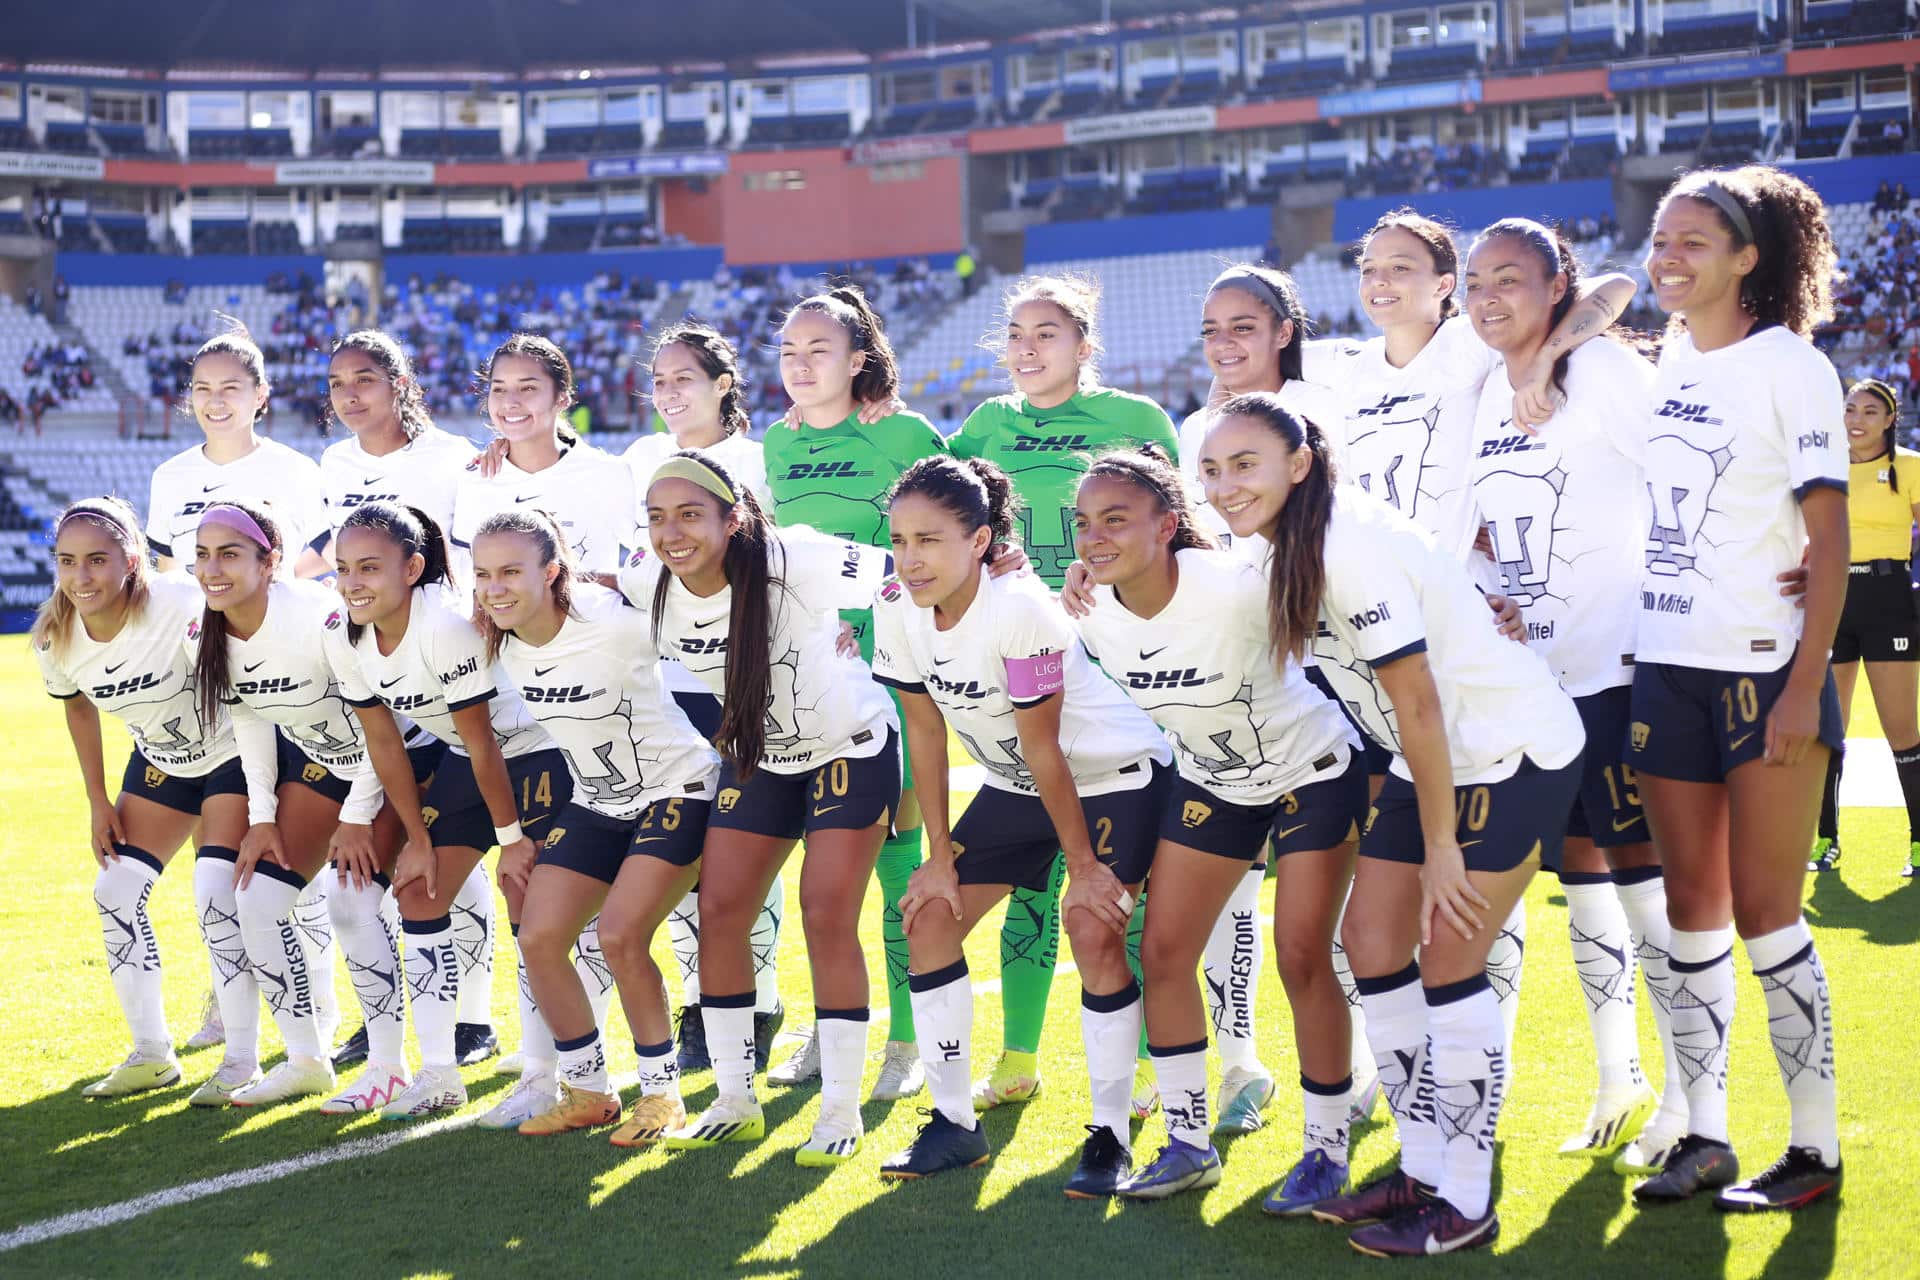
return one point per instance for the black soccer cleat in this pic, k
(473, 1043)
(765, 1027)
(1434, 1227)
(1794, 1181)
(1694, 1165)
(1105, 1163)
(1385, 1198)
(691, 1030)
(353, 1052)
(939, 1146)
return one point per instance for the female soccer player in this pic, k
(410, 648)
(396, 454)
(1559, 509)
(1734, 709)
(1071, 765)
(1487, 750)
(810, 748)
(625, 846)
(1182, 627)
(109, 637)
(1879, 624)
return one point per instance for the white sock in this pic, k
(234, 989)
(943, 1020)
(1325, 1107)
(1703, 999)
(1397, 1028)
(537, 1054)
(314, 923)
(1231, 967)
(433, 984)
(729, 1024)
(472, 917)
(1362, 1052)
(279, 957)
(583, 1062)
(1603, 961)
(1110, 1027)
(1181, 1070)
(1469, 1054)
(659, 1069)
(120, 893)
(1643, 897)
(843, 1053)
(683, 932)
(373, 962)
(1504, 963)
(1800, 1022)
(765, 941)
(590, 962)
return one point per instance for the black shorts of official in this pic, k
(844, 794)
(1607, 808)
(1879, 621)
(1499, 824)
(703, 711)
(456, 812)
(1693, 724)
(149, 781)
(1322, 814)
(1007, 838)
(672, 830)
(1375, 756)
(295, 766)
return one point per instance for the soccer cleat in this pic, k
(512, 1064)
(1015, 1078)
(1435, 1227)
(765, 1027)
(1647, 1153)
(1794, 1181)
(1146, 1090)
(293, 1078)
(1105, 1163)
(1314, 1179)
(727, 1120)
(576, 1109)
(142, 1070)
(652, 1118)
(377, 1086)
(434, 1091)
(901, 1075)
(1695, 1164)
(1366, 1096)
(939, 1146)
(1177, 1168)
(1912, 866)
(1386, 1197)
(836, 1136)
(352, 1053)
(1617, 1115)
(691, 1030)
(532, 1094)
(1825, 855)
(803, 1066)
(212, 1031)
(217, 1090)
(1243, 1094)
(473, 1043)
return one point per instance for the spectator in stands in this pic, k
(9, 407)
(175, 291)
(33, 299)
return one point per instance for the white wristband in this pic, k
(509, 834)
(1124, 902)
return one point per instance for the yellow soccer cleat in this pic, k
(727, 1120)
(577, 1109)
(1015, 1078)
(140, 1072)
(653, 1117)
(1617, 1117)
(835, 1139)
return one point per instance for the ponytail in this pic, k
(1556, 256)
(1298, 575)
(410, 529)
(978, 493)
(879, 378)
(1891, 398)
(1148, 468)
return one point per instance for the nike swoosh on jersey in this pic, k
(1688, 386)
(248, 667)
(539, 672)
(209, 488)
(530, 497)
(815, 448)
(371, 480)
(116, 666)
(1146, 656)
(711, 622)
(388, 684)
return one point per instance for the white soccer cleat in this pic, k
(1648, 1151)
(803, 1066)
(836, 1136)
(512, 1064)
(294, 1078)
(532, 1095)
(212, 1031)
(434, 1091)
(1244, 1095)
(147, 1067)
(901, 1075)
(218, 1089)
(377, 1086)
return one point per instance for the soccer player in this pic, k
(1486, 761)
(810, 750)
(1879, 625)
(625, 846)
(1182, 627)
(109, 638)
(1734, 710)
(1559, 510)
(1071, 765)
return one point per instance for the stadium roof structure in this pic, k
(515, 35)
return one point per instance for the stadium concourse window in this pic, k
(775, 180)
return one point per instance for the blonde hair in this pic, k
(53, 623)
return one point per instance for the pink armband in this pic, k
(1029, 679)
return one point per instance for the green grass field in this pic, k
(471, 1202)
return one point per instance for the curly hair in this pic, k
(409, 402)
(1792, 283)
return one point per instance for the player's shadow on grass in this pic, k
(1890, 921)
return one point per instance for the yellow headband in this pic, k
(697, 472)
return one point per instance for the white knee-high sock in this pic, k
(583, 1062)
(1397, 1028)
(1703, 999)
(1504, 962)
(843, 1054)
(728, 1020)
(590, 962)
(1181, 1070)
(234, 989)
(120, 893)
(280, 961)
(1110, 1027)
(373, 962)
(765, 941)
(1230, 966)
(433, 986)
(1324, 1111)
(472, 917)
(1467, 1046)
(943, 1019)
(314, 923)
(1643, 896)
(1800, 1022)
(683, 932)
(1603, 961)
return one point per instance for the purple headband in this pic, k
(234, 518)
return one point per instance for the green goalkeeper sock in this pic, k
(899, 857)
(1029, 950)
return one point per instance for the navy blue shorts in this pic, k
(595, 845)
(1323, 814)
(295, 766)
(1499, 824)
(148, 781)
(844, 794)
(456, 813)
(1607, 809)
(1007, 838)
(1692, 724)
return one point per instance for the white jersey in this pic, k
(1014, 647)
(284, 480)
(143, 678)
(595, 688)
(739, 454)
(1203, 668)
(281, 678)
(423, 473)
(1737, 436)
(821, 706)
(1563, 510)
(1404, 434)
(588, 491)
(439, 667)
(1303, 400)
(1392, 591)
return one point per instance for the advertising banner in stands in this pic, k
(930, 147)
(662, 166)
(26, 164)
(1140, 124)
(1696, 71)
(355, 173)
(1412, 97)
